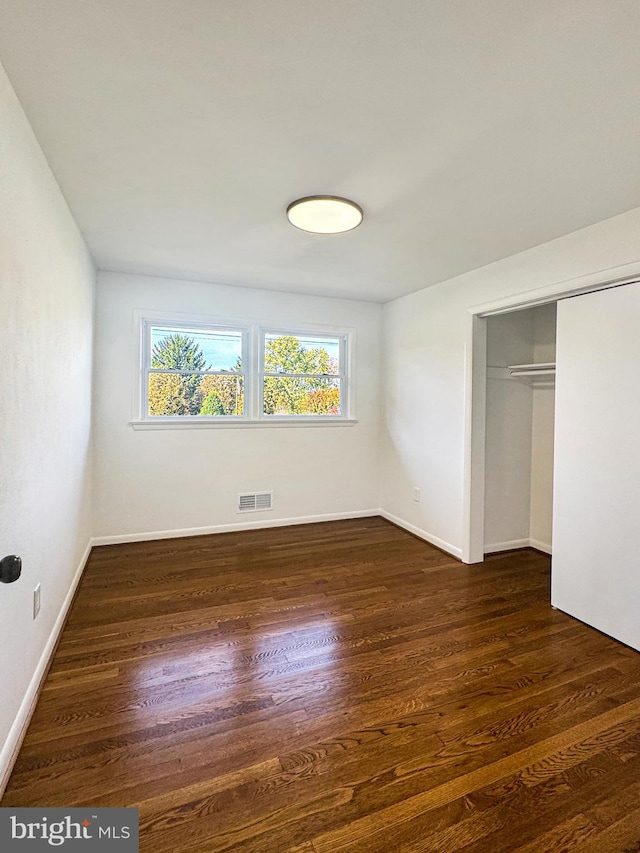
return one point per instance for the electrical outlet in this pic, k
(416, 494)
(36, 601)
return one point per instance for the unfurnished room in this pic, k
(319, 459)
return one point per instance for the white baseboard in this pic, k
(510, 545)
(11, 747)
(545, 547)
(423, 534)
(513, 544)
(227, 528)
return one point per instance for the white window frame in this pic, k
(342, 376)
(253, 342)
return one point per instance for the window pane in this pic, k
(196, 349)
(222, 395)
(190, 394)
(296, 396)
(301, 354)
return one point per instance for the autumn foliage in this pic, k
(315, 390)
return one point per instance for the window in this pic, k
(209, 373)
(193, 371)
(302, 374)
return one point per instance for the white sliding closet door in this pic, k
(595, 572)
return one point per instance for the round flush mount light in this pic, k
(324, 214)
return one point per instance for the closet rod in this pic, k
(546, 372)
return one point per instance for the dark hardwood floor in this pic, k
(336, 687)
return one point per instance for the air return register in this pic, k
(255, 501)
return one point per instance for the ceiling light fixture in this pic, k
(324, 214)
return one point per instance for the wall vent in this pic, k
(255, 502)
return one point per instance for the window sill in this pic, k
(242, 424)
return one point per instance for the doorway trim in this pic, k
(476, 385)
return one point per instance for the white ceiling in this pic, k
(468, 130)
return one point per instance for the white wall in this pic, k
(425, 335)
(169, 481)
(46, 311)
(544, 332)
(542, 453)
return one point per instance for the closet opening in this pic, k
(510, 414)
(519, 429)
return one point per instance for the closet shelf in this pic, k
(532, 370)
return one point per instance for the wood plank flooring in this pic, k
(337, 687)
